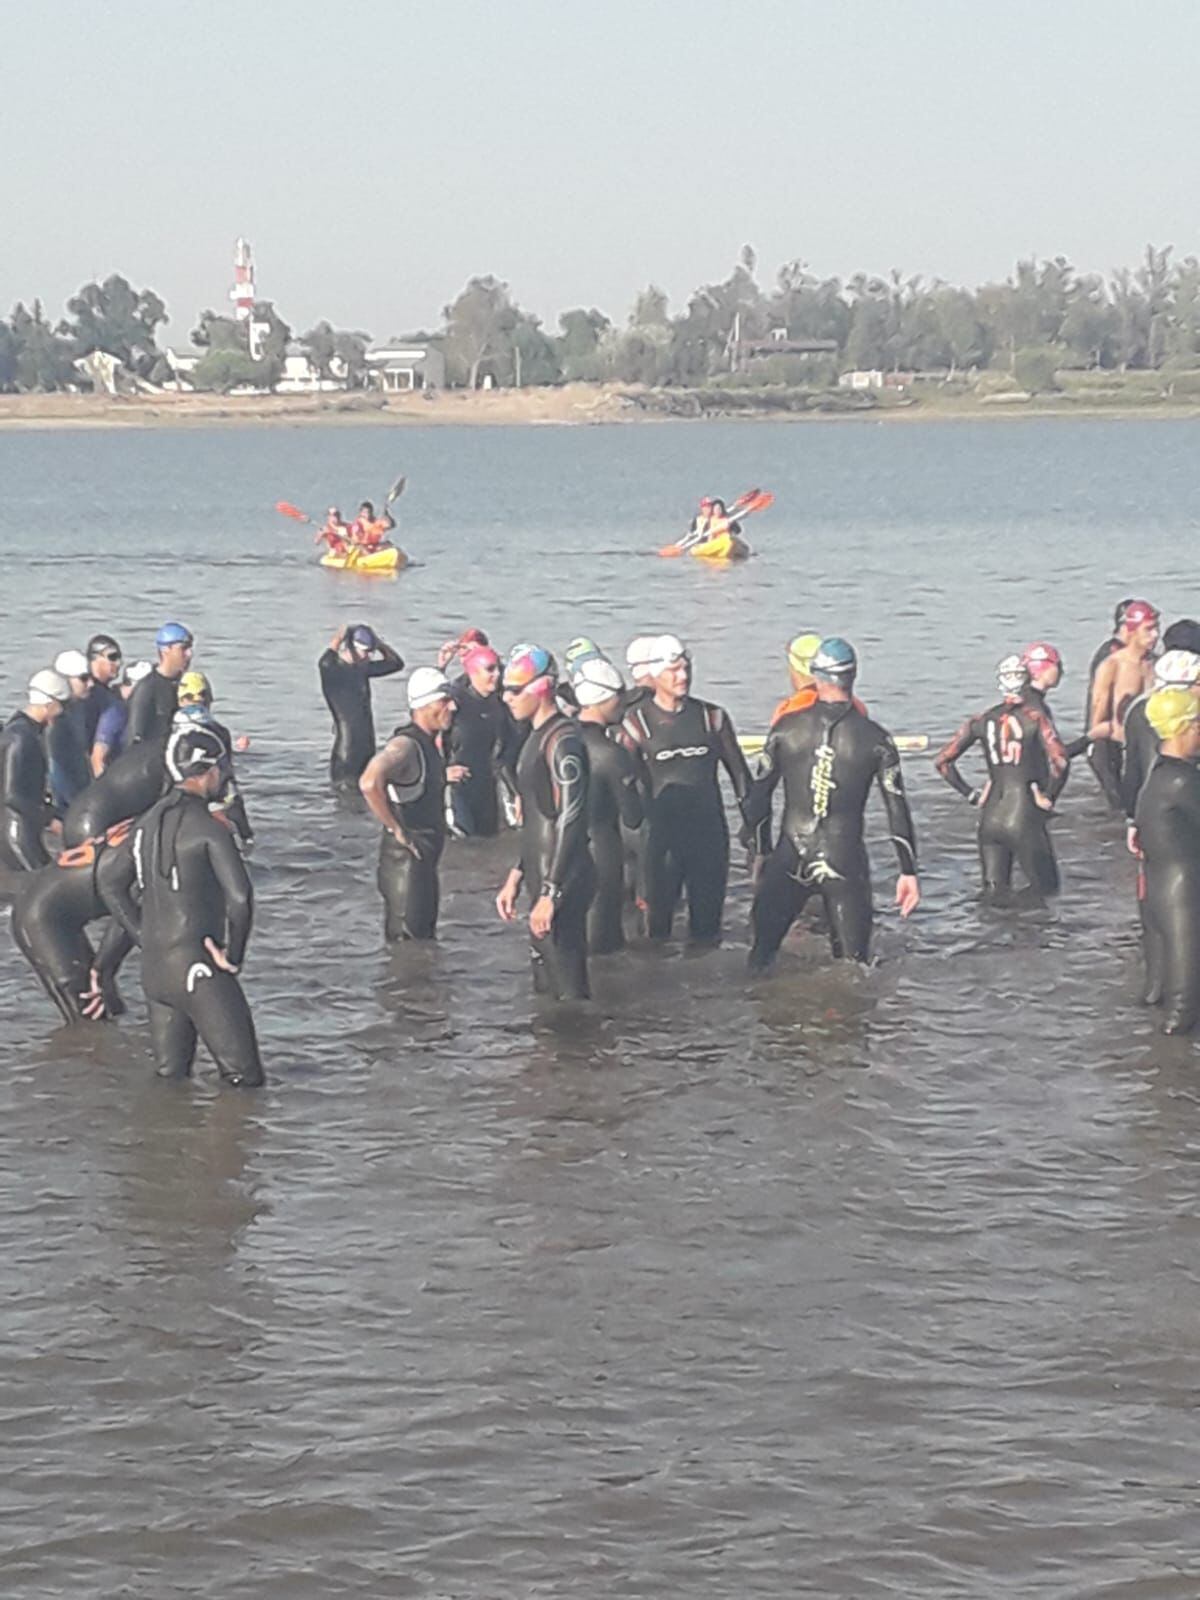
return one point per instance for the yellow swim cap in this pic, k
(1169, 711)
(194, 686)
(801, 651)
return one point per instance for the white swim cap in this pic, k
(638, 656)
(1177, 668)
(1012, 675)
(665, 651)
(139, 670)
(47, 686)
(72, 664)
(425, 685)
(595, 681)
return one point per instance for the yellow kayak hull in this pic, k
(389, 559)
(725, 547)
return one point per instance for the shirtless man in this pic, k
(1124, 674)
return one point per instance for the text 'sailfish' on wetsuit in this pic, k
(483, 738)
(828, 757)
(67, 752)
(52, 911)
(152, 708)
(346, 686)
(1141, 747)
(194, 886)
(407, 882)
(552, 780)
(1022, 751)
(1168, 825)
(127, 787)
(614, 803)
(687, 838)
(23, 793)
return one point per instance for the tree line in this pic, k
(1045, 317)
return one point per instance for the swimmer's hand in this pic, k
(1042, 800)
(1101, 730)
(219, 956)
(541, 918)
(457, 773)
(242, 743)
(446, 654)
(908, 893)
(406, 843)
(54, 826)
(93, 999)
(1132, 842)
(506, 900)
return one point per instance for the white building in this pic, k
(301, 377)
(399, 368)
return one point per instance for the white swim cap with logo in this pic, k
(425, 685)
(47, 686)
(595, 681)
(1177, 669)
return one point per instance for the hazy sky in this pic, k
(379, 152)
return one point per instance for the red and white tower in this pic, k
(243, 293)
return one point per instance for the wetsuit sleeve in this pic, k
(629, 794)
(900, 822)
(730, 753)
(507, 749)
(392, 662)
(757, 808)
(231, 874)
(1133, 768)
(953, 751)
(114, 947)
(141, 710)
(117, 886)
(1057, 760)
(569, 778)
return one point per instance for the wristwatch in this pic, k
(551, 892)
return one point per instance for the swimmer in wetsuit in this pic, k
(404, 787)
(481, 740)
(1176, 668)
(51, 912)
(1168, 829)
(681, 742)
(67, 740)
(800, 653)
(827, 756)
(1044, 665)
(23, 772)
(638, 656)
(1023, 751)
(192, 917)
(154, 701)
(615, 806)
(1121, 672)
(552, 780)
(355, 656)
(195, 702)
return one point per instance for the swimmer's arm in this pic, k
(629, 794)
(729, 752)
(900, 822)
(392, 662)
(117, 885)
(1100, 716)
(114, 947)
(1056, 755)
(234, 880)
(398, 761)
(951, 752)
(757, 808)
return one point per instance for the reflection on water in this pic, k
(846, 1283)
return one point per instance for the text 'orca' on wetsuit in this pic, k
(552, 780)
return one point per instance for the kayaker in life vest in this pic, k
(335, 533)
(710, 522)
(368, 531)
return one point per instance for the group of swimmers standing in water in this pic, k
(614, 788)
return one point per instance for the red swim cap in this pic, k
(1041, 655)
(472, 636)
(478, 656)
(1137, 612)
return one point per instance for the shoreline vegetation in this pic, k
(589, 404)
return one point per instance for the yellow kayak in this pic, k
(724, 547)
(388, 558)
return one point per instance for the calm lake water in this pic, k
(851, 1284)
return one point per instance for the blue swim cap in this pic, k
(172, 633)
(363, 637)
(834, 661)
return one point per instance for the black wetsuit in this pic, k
(1168, 825)
(828, 756)
(127, 787)
(152, 708)
(1050, 785)
(687, 838)
(68, 751)
(194, 886)
(1022, 750)
(408, 882)
(483, 738)
(346, 686)
(1141, 747)
(50, 915)
(614, 803)
(23, 793)
(552, 780)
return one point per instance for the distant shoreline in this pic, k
(569, 405)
